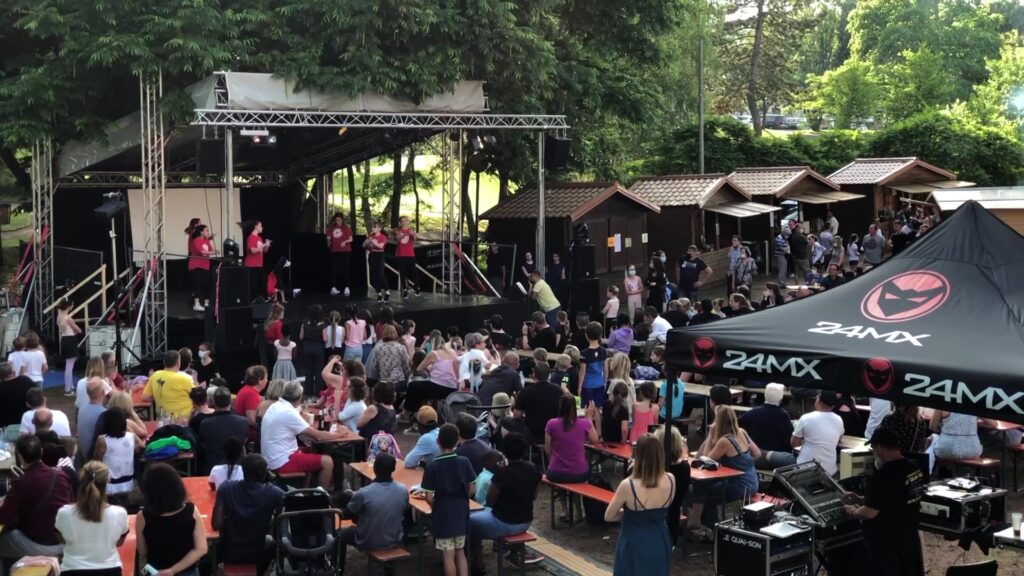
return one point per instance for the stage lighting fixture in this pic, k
(342, 130)
(482, 153)
(272, 140)
(113, 204)
(231, 249)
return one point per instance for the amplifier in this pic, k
(813, 490)
(855, 462)
(958, 506)
(744, 551)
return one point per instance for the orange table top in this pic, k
(137, 398)
(128, 548)
(409, 477)
(723, 472)
(621, 451)
(199, 492)
(151, 426)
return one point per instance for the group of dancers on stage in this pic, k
(339, 239)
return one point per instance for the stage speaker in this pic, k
(233, 286)
(585, 296)
(260, 311)
(557, 152)
(234, 331)
(210, 156)
(583, 261)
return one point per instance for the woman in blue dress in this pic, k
(730, 446)
(641, 503)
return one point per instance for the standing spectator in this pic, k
(634, 291)
(817, 433)
(545, 297)
(853, 252)
(593, 368)
(33, 360)
(873, 246)
(355, 332)
(339, 242)
(497, 269)
(247, 403)
(621, 339)
(390, 360)
(405, 256)
(817, 253)
(645, 412)
(168, 389)
(380, 510)
(782, 251)
(216, 428)
(527, 268)
(641, 503)
(470, 447)
(88, 415)
(693, 273)
(449, 484)
(798, 248)
(171, 537)
(771, 428)
(284, 368)
(679, 467)
(29, 510)
(312, 352)
(611, 307)
(91, 529)
(69, 333)
(735, 255)
(243, 513)
(656, 282)
(825, 238)
(535, 406)
(555, 274)
(880, 408)
(334, 335)
(746, 269)
(13, 389)
(838, 252)
(509, 501)
(832, 221)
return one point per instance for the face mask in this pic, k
(631, 272)
(662, 258)
(203, 354)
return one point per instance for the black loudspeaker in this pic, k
(583, 261)
(557, 152)
(234, 331)
(585, 296)
(233, 286)
(210, 156)
(260, 311)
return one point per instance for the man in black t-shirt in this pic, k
(538, 334)
(535, 405)
(798, 249)
(501, 340)
(890, 509)
(692, 273)
(509, 503)
(771, 428)
(497, 269)
(675, 315)
(243, 513)
(12, 394)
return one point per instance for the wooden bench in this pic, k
(385, 556)
(580, 489)
(512, 540)
(290, 479)
(239, 570)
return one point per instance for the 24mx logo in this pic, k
(862, 332)
(770, 364)
(957, 392)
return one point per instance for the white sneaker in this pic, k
(287, 264)
(198, 307)
(296, 292)
(346, 292)
(334, 291)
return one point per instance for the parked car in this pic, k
(791, 123)
(776, 121)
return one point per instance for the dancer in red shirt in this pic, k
(255, 248)
(200, 250)
(339, 242)
(374, 245)
(405, 253)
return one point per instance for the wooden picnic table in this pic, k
(199, 492)
(144, 408)
(128, 550)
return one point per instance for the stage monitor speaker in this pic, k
(210, 156)
(585, 296)
(260, 311)
(583, 261)
(233, 286)
(235, 329)
(557, 152)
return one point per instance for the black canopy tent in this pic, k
(939, 325)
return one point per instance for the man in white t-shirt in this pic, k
(470, 375)
(281, 426)
(817, 433)
(659, 326)
(37, 411)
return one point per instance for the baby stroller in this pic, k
(466, 402)
(306, 534)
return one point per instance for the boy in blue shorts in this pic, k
(449, 482)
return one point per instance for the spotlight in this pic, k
(581, 233)
(342, 130)
(481, 157)
(113, 204)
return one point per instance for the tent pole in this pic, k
(229, 184)
(670, 387)
(538, 256)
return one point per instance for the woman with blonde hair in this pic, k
(91, 528)
(679, 467)
(618, 371)
(123, 400)
(641, 503)
(730, 446)
(94, 368)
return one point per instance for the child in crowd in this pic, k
(231, 469)
(356, 404)
(634, 291)
(611, 308)
(615, 416)
(408, 336)
(565, 375)
(593, 368)
(562, 331)
(645, 411)
(493, 461)
(448, 481)
(284, 368)
(14, 357)
(579, 336)
(334, 335)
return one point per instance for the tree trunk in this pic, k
(352, 198)
(755, 69)
(396, 188)
(365, 193)
(467, 205)
(410, 170)
(502, 185)
(20, 175)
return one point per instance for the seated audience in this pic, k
(645, 411)
(564, 439)
(94, 368)
(356, 404)
(957, 435)
(170, 532)
(13, 389)
(621, 338)
(379, 416)
(471, 447)
(509, 500)
(817, 433)
(911, 430)
(123, 400)
(493, 461)
(535, 406)
(36, 402)
(426, 448)
(281, 426)
(200, 408)
(216, 428)
(247, 403)
(230, 469)
(92, 529)
(615, 416)
(116, 447)
(771, 428)
(505, 378)
(729, 445)
(243, 513)
(379, 509)
(88, 416)
(29, 511)
(169, 388)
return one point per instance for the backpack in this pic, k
(384, 443)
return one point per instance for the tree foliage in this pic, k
(848, 93)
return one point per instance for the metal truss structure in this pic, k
(43, 191)
(154, 181)
(173, 179)
(401, 120)
(451, 211)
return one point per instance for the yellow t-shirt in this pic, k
(170, 392)
(545, 296)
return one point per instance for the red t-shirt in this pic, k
(379, 237)
(253, 260)
(196, 247)
(338, 234)
(273, 332)
(405, 249)
(247, 399)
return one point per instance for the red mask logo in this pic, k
(906, 296)
(704, 353)
(877, 375)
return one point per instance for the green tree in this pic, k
(919, 82)
(999, 101)
(849, 93)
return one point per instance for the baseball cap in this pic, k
(885, 437)
(426, 415)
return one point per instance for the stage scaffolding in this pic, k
(154, 178)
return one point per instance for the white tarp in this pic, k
(182, 205)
